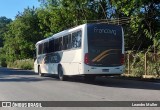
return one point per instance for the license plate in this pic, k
(105, 70)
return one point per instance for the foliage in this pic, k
(137, 64)
(144, 17)
(26, 64)
(58, 15)
(3, 28)
(144, 23)
(153, 64)
(22, 35)
(3, 62)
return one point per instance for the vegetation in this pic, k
(137, 64)
(26, 64)
(18, 37)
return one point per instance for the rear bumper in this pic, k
(103, 70)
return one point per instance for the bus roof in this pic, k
(62, 33)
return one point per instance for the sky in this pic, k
(10, 8)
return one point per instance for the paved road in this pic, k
(23, 85)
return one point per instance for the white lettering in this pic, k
(138, 105)
(106, 31)
(151, 104)
(34, 105)
(19, 104)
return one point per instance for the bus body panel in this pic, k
(70, 61)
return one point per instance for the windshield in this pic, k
(104, 44)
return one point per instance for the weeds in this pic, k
(26, 64)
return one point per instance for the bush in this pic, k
(137, 64)
(3, 62)
(26, 64)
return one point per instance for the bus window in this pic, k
(51, 46)
(76, 39)
(79, 37)
(46, 47)
(56, 45)
(40, 49)
(60, 44)
(65, 42)
(69, 46)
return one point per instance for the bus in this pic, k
(89, 50)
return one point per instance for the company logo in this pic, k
(106, 31)
(6, 104)
(21, 104)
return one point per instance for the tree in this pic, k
(144, 27)
(58, 15)
(22, 35)
(3, 28)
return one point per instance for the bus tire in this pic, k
(61, 75)
(39, 72)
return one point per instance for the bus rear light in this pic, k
(86, 59)
(122, 59)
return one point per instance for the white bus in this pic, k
(91, 49)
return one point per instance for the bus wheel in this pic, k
(61, 76)
(90, 77)
(39, 72)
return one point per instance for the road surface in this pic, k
(24, 85)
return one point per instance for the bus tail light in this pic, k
(122, 59)
(86, 59)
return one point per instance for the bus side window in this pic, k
(73, 40)
(56, 45)
(65, 43)
(46, 47)
(60, 44)
(76, 39)
(69, 46)
(40, 49)
(51, 46)
(79, 38)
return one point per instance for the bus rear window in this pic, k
(104, 44)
